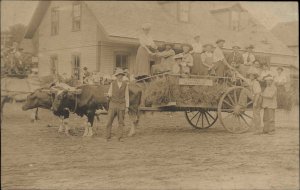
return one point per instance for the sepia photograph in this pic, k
(149, 95)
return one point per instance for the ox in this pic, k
(43, 98)
(93, 97)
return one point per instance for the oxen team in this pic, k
(84, 104)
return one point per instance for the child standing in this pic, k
(269, 104)
(118, 94)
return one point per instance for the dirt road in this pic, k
(166, 153)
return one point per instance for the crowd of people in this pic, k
(197, 59)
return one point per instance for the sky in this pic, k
(267, 13)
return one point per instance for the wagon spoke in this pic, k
(231, 100)
(244, 120)
(210, 115)
(202, 120)
(249, 103)
(198, 119)
(235, 97)
(247, 115)
(195, 115)
(206, 119)
(230, 114)
(227, 103)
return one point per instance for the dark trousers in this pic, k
(112, 113)
(269, 120)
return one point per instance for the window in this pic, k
(76, 16)
(54, 21)
(122, 61)
(76, 66)
(184, 11)
(235, 20)
(53, 65)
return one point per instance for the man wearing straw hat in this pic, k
(269, 104)
(219, 59)
(118, 95)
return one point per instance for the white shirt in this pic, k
(197, 47)
(218, 55)
(146, 40)
(280, 79)
(251, 58)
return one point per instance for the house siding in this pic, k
(67, 42)
(107, 58)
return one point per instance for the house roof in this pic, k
(165, 26)
(226, 6)
(287, 32)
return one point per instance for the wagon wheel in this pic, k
(201, 119)
(235, 109)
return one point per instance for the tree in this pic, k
(17, 32)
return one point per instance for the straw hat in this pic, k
(249, 47)
(236, 47)
(253, 71)
(168, 44)
(196, 36)
(205, 45)
(268, 77)
(280, 68)
(187, 45)
(220, 40)
(119, 71)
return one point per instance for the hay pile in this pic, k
(162, 91)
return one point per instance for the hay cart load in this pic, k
(204, 99)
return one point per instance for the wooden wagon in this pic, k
(233, 109)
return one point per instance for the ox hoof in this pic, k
(61, 129)
(90, 132)
(86, 131)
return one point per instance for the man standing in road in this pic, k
(118, 95)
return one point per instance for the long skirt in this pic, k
(197, 64)
(142, 63)
(220, 68)
(283, 98)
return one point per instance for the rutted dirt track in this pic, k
(166, 153)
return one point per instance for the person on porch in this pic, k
(146, 49)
